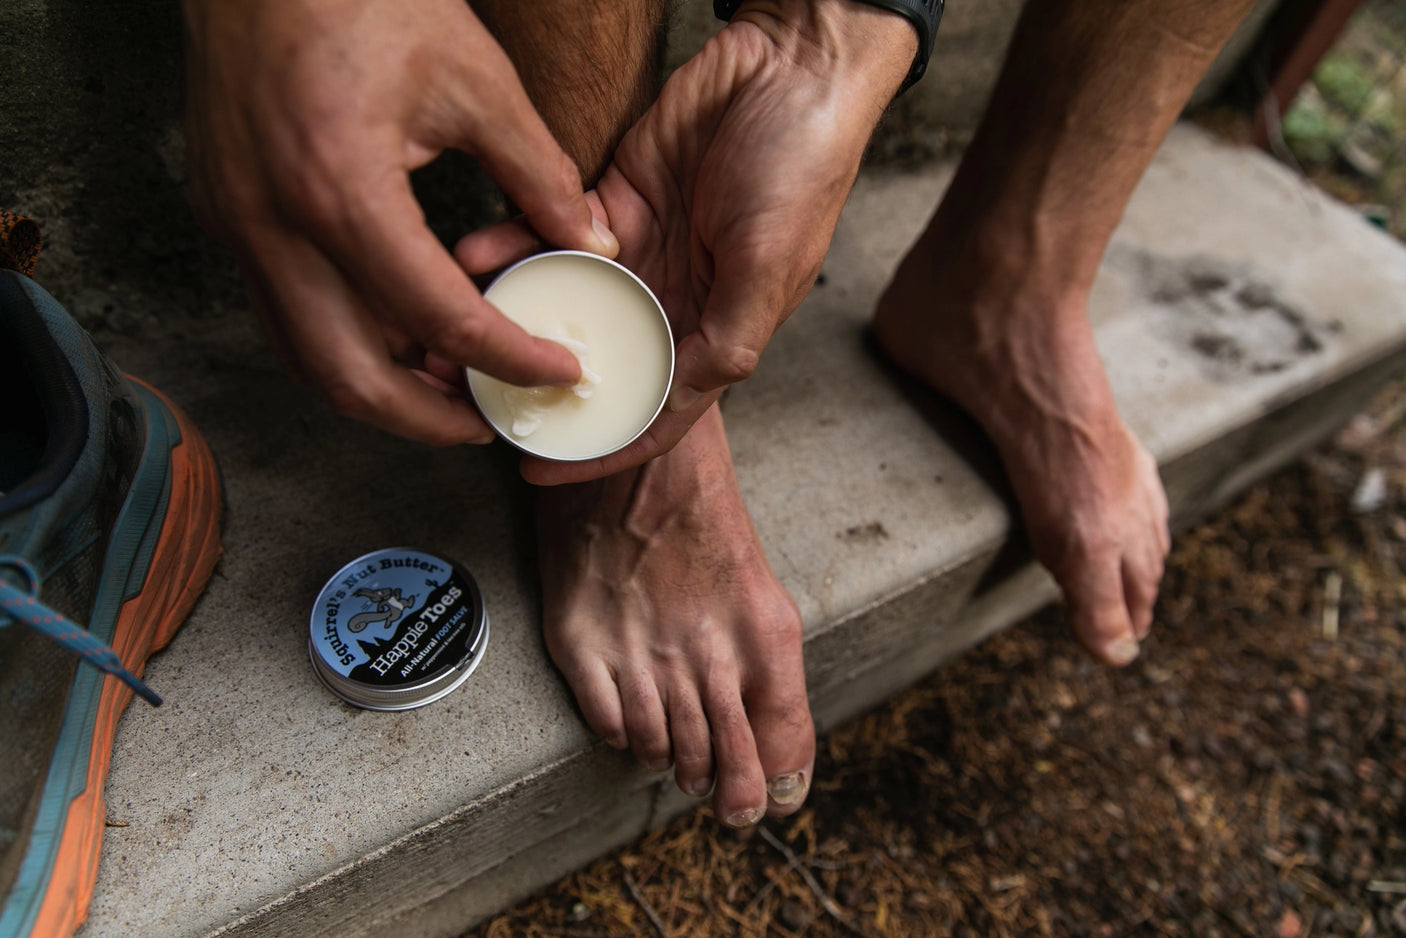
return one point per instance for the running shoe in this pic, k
(109, 530)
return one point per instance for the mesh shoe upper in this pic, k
(84, 443)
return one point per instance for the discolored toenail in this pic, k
(1123, 651)
(788, 789)
(745, 818)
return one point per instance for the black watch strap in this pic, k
(923, 14)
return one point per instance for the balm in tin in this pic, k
(396, 629)
(611, 321)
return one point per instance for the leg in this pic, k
(591, 67)
(659, 606)
(989, 307)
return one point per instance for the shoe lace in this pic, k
(20, 603)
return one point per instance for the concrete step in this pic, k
(1242, 315)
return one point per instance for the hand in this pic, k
(305, 118)
(726, 193)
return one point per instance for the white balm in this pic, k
(612, 323)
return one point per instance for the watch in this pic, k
(923, 14)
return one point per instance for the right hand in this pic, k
(304, 121)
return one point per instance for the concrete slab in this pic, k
(1242, 314)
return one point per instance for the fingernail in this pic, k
(682, 397)
(745, 818)
(608, 243)
(788, 789)
(700, 787)
(1123, 651)
(657, 765)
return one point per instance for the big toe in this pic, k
(786, 749)
(781, 723)
(1099, 612)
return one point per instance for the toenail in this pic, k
(1123, 651)
(745, 818)
(657, 765)
(788, 789)
(700, 787)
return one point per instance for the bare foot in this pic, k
(678, 641)
(1020, 358)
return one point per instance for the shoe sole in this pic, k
(171, 566)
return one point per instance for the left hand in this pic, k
(726, 193)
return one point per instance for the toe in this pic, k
(693, 746)
(779, 715)
(1140, 589)
(645, 722)
(1142, 575)
(739, 792)
(1099, 612)
(598, 697)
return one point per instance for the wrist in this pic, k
(866, 49)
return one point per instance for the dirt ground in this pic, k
(1246, 776)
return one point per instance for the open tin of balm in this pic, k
(397, 629)
(611, 321)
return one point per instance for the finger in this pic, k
(340, 351)
(661, 436)
(1099, 611)
(447, 372)
(524, 158)
(439, 384)
(262, 296)
(497, 246)
(393, 259)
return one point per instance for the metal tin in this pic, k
(396, 629)
(526, 445)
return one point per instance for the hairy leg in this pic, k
(659, 606)
(591, 67)
(989, 306)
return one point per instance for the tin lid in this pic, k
(396, 629)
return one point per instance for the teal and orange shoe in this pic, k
(109, 530)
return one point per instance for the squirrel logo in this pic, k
(390, 606)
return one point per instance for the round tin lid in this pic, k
(397, 628)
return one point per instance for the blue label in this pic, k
(397, 617)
